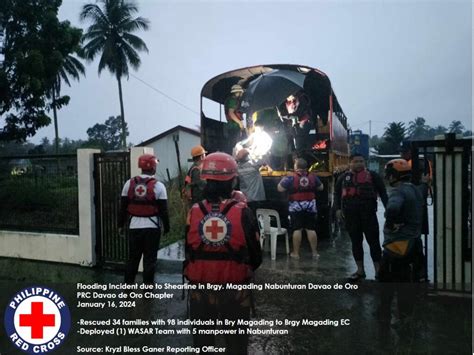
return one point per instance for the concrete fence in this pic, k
(73, 249)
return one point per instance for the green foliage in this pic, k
(36, 45)
(393, 136)
(111, 37)
(177, 212)
(106, 136)
(418, 129)
(456, 127)
(14, 148)
(436, 131)
(34, 201)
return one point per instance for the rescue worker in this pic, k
(235, 124)
(297, 110)
(426, 176)
(302, 187)
(250, 180)
(193, 185)
(426, 168)
(355, 201)
(144, 199)
(222, 246)
(402, 239)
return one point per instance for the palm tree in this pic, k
(71, 66)
(438, 130)
(111, 35)
(394, 134)
(418, 128)
(456, 127)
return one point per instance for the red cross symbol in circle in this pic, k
(304, 181)
(214, 229)
(37, 320)
(140, 190)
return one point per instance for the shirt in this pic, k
(251, 182)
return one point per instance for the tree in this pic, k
(71, 66)
(375, 141)
(418, 129)
(15, 148)
(393, 136)
(438, 130)
(111, 35)
(456, 127)
(108, 135)
(35, 45)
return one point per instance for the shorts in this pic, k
(303, 220)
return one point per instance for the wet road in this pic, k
(438, 325)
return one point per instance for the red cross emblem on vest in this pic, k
(37, 320)
(304, 181)
(214, 230)
(140, 190)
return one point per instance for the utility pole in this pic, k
(370, 128)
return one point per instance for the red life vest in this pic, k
(359, 185)
(141, 197)
(216, 249)
(303, 187)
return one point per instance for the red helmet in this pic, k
(147, 162)
(218, 166)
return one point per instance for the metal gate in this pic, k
(111, 171)
(452, 192)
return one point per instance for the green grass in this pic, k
(177, 212)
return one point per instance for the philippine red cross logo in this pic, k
(215, 229)
(304, 181)
(140, 190)
(37, 320)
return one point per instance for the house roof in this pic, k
(168, 132)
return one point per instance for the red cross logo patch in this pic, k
(304, 181)
(140, 190)
(37, 320)
(214, 229)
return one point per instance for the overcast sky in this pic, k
(387, 60)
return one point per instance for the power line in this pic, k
(165, 95)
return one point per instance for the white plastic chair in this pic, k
(264, 220)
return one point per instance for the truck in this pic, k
(266, 87)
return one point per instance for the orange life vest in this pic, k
(187, 192)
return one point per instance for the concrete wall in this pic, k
(71, 249)
(166, 152)
(75, 249)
